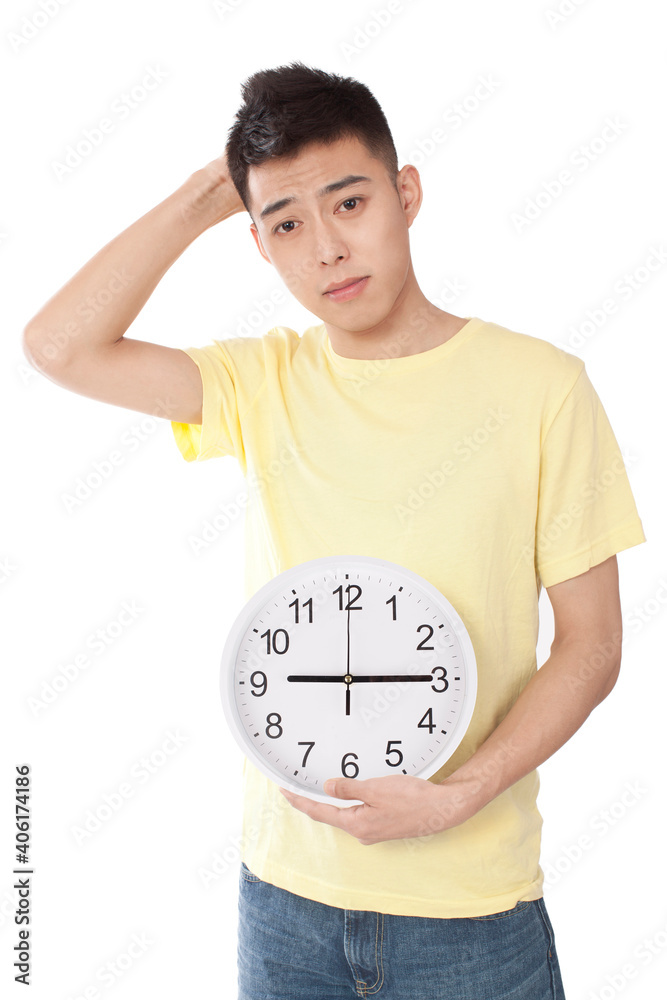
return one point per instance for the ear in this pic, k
(258, 241)
(409, 187)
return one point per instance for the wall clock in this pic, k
(347, 665)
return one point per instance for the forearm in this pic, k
(125, 272)
(550, 709)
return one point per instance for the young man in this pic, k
(456, 447)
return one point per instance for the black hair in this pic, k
(287, 107)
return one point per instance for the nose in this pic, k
(330, 256)
(329, 244)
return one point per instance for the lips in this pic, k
(344, 290)
(342, 284)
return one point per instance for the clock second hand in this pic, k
(348, 676)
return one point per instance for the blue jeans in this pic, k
(293, 947)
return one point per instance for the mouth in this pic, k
(348, 290)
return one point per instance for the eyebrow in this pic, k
(276, 206)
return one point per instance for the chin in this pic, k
(354, 318)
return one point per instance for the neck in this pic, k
(413, 325)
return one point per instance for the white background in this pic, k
(67, 573)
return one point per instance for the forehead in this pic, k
(308, 171)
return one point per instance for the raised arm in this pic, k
(84, 349)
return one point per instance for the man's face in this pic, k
(319, 227)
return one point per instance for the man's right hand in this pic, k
(213, 195)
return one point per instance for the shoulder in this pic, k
(531, 369)
(246, 353)
(529, 354)
(537, 380)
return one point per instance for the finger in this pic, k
(318, 811)
(345, 788)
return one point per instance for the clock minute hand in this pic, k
(391, 677)
(358, 678)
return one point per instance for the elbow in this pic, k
(594, 666)
(31, 344)
(42, 349)
(606, 658)
(610, 680)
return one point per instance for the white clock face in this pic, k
(347, 665)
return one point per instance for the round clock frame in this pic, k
(390, 697)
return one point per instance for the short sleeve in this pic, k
(586, 511)
(219, 433)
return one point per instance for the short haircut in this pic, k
(288, 107)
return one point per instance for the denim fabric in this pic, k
(293, 947)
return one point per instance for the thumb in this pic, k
(343, 788)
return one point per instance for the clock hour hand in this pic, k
(326, 679)
(317, 678)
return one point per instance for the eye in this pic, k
(290, 222)
(355, 199)
(352, 203)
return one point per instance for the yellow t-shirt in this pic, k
(488, 466)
